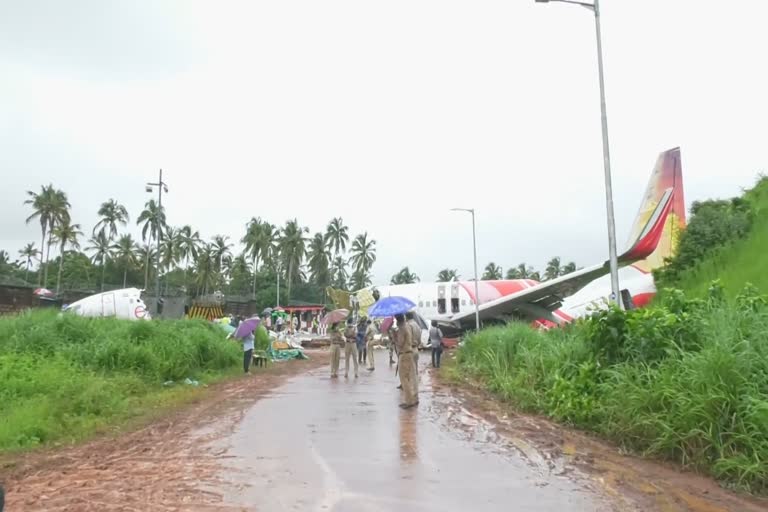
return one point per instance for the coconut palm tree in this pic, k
(111, 214)
(339, 275)
(65, 234)
(125, 252)
(404, 276)
(360, 279)
(337, 235)
(293, 249)
(5, 261)
(568, 268)
(492, 272)
(553, 268)
(101, 247)
(28, 253)
(147, 254)
(239, 272)
(251, 240)
(319, 262)
(170, 250)
(50, 207)
(221, 249)
(268, 243)
(189, 244)
(521, 271)
(152, 221)
(205, 265)
(447, 275)
(363, 253)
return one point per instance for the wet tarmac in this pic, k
(338, 445)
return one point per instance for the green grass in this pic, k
(741, 261)
(685, 381)
(65, 378)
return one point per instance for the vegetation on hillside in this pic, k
(65, 377)
(724, 241)
(685, 380)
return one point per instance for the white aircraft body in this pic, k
(125, 303)
(654, 236)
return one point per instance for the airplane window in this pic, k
(463, 302)
(131, 301)
(421, 304)
(434, 304)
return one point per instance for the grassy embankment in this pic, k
(64, 378)
(685, 379)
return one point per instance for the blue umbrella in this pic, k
(390, 306)
(247, 327)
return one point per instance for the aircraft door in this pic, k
(108, 304)
(454, 297)
(441, 299)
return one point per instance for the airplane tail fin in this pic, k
(667, 174)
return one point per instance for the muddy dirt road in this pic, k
(291, 439)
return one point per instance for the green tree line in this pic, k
(107, 256)
(493, 271)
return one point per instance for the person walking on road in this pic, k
(350, 347)
(436, 342)
(404, 347)
(369, 334)
(337, 341)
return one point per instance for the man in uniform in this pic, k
(369, 333)
(350, 347)
(404, 347)
(337, 341)
(416, 340)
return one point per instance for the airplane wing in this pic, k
(541, 300)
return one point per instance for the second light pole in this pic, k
(474, 252)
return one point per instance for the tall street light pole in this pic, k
(161, 187)
(613, 258)
(474, 252)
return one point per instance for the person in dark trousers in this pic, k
(360, 340)
(436, 342)
(248, 352)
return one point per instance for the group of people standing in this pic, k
(357, 343)
(405, 341)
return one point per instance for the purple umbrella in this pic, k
(247, 327)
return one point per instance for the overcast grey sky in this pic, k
(384, 113)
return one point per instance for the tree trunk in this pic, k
(125, 276)
(254, 276)
(47, 257)
(26, 274)
(288, 288)
(146, 264)
(103, 269)
(40, 270)
(61, 266)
